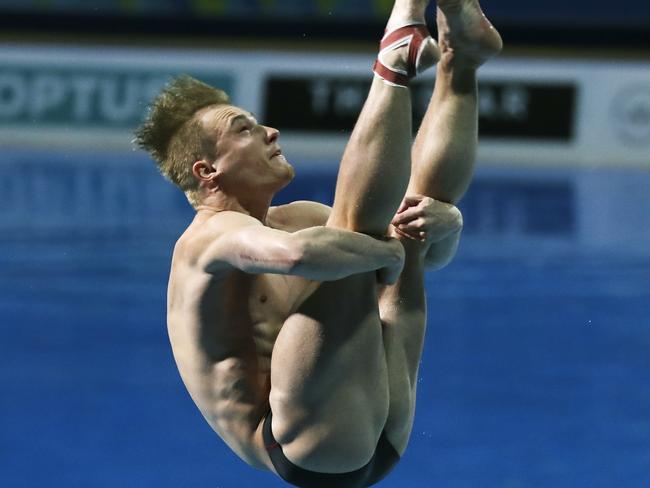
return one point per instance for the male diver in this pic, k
(298, 329)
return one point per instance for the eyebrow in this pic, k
(245, 117)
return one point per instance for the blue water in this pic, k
(536, 370)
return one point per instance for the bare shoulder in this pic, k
(298, 215)
(205, 231)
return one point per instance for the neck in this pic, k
(257, 206)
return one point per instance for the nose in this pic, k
(272, 134)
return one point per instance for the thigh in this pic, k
(403, 315)
(329, 389)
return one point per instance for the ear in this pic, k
(203, 170)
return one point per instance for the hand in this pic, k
(424, 219)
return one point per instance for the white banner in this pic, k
(533, 112)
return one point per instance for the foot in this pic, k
(407, 48)
(466, 37)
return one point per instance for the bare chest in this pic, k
(236, 317)
(271, 300)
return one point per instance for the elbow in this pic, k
(397, 254)
(298, 256)
(311, 255)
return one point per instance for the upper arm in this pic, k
(242, 242)
(298, 215)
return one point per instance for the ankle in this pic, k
(450, 7)
(404, 53)
(453, 61)
(407, 12)
(458, 79)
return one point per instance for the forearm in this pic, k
(330, 254)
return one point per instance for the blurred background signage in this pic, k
(77, 96)
(532, 111)
(513, 109)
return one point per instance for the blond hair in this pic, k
(172, 134)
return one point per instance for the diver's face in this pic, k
(248, 155)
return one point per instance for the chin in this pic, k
(281, 173)
(291, 172)
(285, 169)
(287, 177)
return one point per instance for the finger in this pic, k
(432, 233)
(419, 224)
(402, 233)
(402, 206)
(414, 198)
(409, 201)
(417, 235)
(406, 234)
(408, 215)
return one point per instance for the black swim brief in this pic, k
(382, 462)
